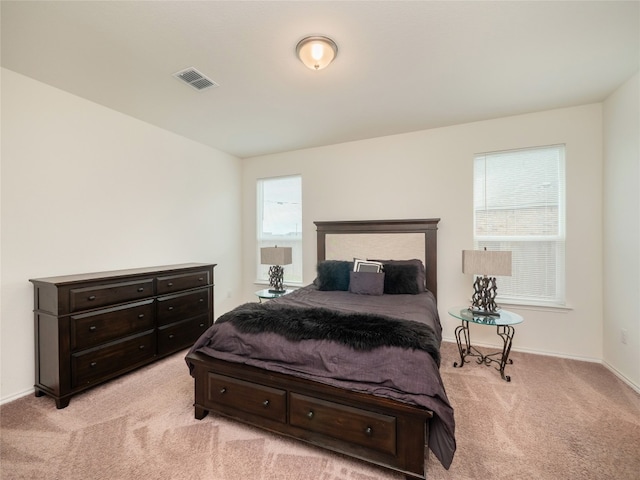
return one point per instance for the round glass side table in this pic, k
(504, 324)
(266, 294)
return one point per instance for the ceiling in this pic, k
(402, 65)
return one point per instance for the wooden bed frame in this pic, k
(381, 431)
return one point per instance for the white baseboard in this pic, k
(562, 355)
(621, 376)
(532, 351)
(16, 396)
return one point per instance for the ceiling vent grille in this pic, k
(195, 79)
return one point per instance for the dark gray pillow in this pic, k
(333, 275)
(400, 279)
(366, 283)
(421, 277)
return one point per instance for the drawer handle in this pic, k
(92, 328)
(310, 414)
(170, 308)
(265, 403)
(201, 300)
(170, 284)
(201, 279)
(141, 289)
(141, 315)
(141, 347)
(223, 390)
(92, 298)
(201, 325)
(171, 336)
(93, 364)
(368, 431)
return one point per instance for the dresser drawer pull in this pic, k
(310, 414)
(141, 315)
(92, 328)
(141, 289)
(201, 279)
(223, 390)
(93, 364)
(92, 297)
(170, 308)
(141, 347)
(368, 431)
(170, 284)
(171, 336)
(265, 403)
(201, 325)
(201, 300)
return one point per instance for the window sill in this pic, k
(540, 307)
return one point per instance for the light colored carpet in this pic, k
(557, 419)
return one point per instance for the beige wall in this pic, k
(429, 174)
(622, 230)
(85, 188)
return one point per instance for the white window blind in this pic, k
(279, 216)
(519, 206)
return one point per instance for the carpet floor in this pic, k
(556, 419)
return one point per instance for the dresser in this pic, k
(92, 327)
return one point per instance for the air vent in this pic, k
(195, 79)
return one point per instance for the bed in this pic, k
(296, 366)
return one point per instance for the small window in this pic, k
(279, 216)
(519, 206)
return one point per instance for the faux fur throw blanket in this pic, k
(361, 331)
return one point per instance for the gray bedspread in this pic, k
(405, 374)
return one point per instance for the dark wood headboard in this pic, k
(428, 227)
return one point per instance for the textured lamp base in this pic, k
(276, 272)
(483, 301)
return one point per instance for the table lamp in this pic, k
(276, 257)
(486, 265)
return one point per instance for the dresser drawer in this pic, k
(184, 305)
(249, 397)
(181, 335)
(92, 329)
(185, 281)
(369, 429)
(109, 294)
(93, 365)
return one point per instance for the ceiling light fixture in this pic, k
(316, 52)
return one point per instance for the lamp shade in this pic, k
(484, 262)
(275, 255)
(316, 52)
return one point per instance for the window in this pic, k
(279, 215)
(519, 206)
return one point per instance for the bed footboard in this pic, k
(380, 431)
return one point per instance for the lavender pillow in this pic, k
(366, 283)
(333, 275)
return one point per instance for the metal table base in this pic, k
(463, 339)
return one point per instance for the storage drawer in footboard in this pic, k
(354, 425)
(260, 400)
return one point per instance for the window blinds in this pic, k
(519, 206)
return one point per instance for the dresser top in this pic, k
(83, 277)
